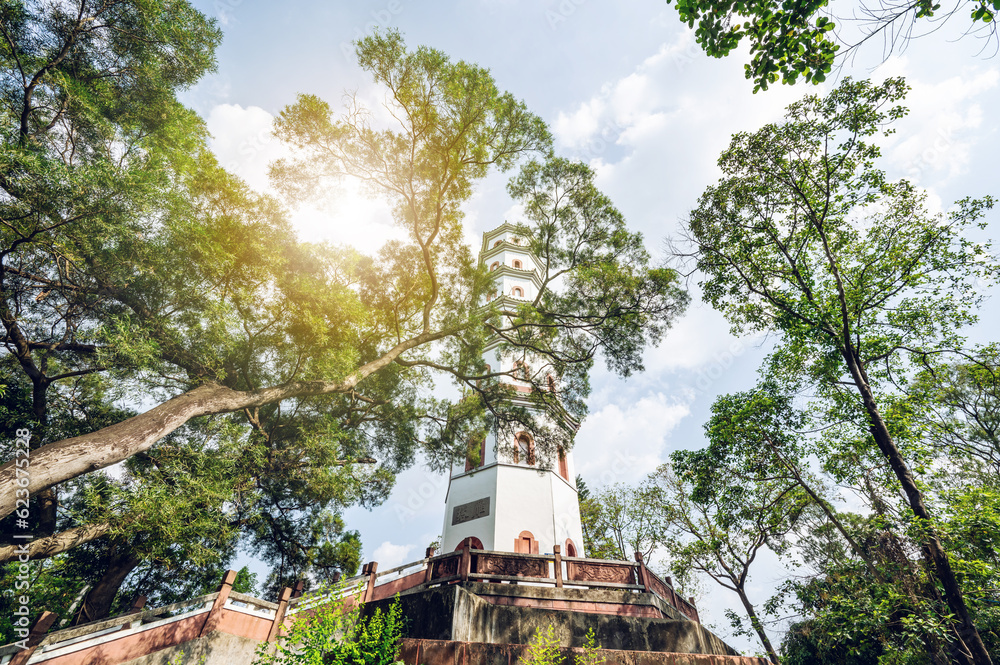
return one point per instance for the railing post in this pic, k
(279, 614)
(34, 637)
(465, 565)
(215, 614)
(297, 589)
(557, 553)
(697, 617)
(370, 569)
(673, 593)
(429, 572)
(643, 574)
(137, 605)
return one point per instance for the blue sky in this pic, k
(624, 87)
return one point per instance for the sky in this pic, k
(624, 87)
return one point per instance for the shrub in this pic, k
(338, 636)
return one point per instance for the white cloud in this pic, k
(243, 143)
(575, 128)
(699, 340)
(390, 555)
(624, 443)
(935, 142)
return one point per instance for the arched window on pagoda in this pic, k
(525, 543)
(563, 465)
(570, 548)
(517, 292)
(515, 240)
(520, 370)
(473, 543)
(524, 451)
(516, 263)
(497, 243)
(494, 266)
(552, 382)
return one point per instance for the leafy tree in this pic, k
(617, 522)
(597, 542)
(335, 633)
(88, 118)
(720, 515)
(789, 40)
(288, 379)
(803, 237)
(851, 616)
(958, 408)
(758, 435)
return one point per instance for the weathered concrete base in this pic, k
(217, 648)
(443, 652)
(510, 615)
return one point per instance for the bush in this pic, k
(333, 635)
(543, 649)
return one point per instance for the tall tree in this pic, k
(718, 521)
(805, 238)
(86, 106)
(597, 542)
(758, 435)
(197, 294)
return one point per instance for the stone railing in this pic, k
(144, 631)
(488, 567)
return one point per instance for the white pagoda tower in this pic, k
(509, 502)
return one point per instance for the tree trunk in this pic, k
(935, 551)
(757, 626)
(97, 604)
(42, 548)
(63, 460)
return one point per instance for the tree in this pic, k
(758, 436)
(597, 542)
(87, 108)
(720, 512)
(805, 238)
(306, 367)
(958, 406)
(789, 40)
(334, 633)
(617, 522)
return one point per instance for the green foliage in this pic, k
(617, 522)
(543, 648)
(866, 293)
(591, 649)
(718, 520)
(133, 264)
(245, 582)
(790, 40)
(332, 633)
(597, 541)
(787, 41)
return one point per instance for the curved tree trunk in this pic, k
(63, 460)
(97, 604)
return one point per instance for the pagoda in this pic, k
(505, 498)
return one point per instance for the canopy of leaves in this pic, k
(279, 380)
(789, 40)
